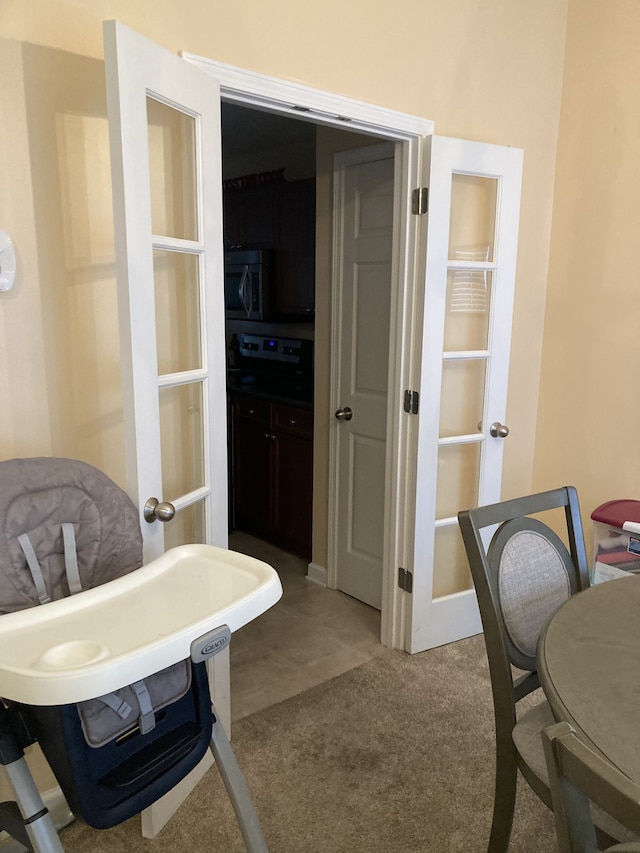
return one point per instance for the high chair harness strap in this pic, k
(70, 563)
(147, 718)
(117, 704)
(122, 708)
(34, 568)
(71, 558)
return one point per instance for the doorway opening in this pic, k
(409, 134)
(278, 190)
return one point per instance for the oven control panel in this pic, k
(285, 350)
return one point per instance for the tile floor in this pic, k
(311, 635)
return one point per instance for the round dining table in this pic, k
(589, 668)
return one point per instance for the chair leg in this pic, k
(504, 801)
(237, 789)
(37, 821)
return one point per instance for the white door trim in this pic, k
(263, 92)
(259, 90)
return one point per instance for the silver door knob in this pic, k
(499, 430)
(155, 510)
(344, 414)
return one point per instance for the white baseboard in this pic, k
(317, 574)
(61, 814)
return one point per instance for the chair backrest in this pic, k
(578, 775)
(64, 526)
(522, 576)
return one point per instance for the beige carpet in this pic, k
(395, 756)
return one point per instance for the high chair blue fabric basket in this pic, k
(107, 670)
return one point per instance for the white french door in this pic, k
(164, 126)
(470, 259)
(164, 121)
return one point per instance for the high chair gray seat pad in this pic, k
(40, 495)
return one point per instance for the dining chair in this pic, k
(578, 776)
(521, 576)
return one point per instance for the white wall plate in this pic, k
(7, 262)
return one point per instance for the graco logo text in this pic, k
(216, 646)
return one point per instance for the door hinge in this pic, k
(411, 402)
(420, 201)
(405, 579)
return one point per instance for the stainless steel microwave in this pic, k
(247, 274)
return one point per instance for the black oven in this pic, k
(247, 274)
(278, 368)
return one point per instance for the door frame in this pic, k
(277, 96)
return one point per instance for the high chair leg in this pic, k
(36, 818)
(237, 789)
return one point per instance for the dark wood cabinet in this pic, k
(251, 465)
(281, 217)
(273, 472)
(295, 255)
(250, 217)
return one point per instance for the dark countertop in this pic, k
(275, 392)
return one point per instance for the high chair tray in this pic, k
(94, 642)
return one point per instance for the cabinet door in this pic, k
(252, 469)
(233, 227)
(250, 217)
(293, 478)
(296, 249)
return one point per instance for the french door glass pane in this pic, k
(466, 325)
(462, 397)
(177, 297)
(458, 478)
(450, 568)
(187, 526)
(182, 439)
(473, 217)
(172, 167)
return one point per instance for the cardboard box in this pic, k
(617, 540)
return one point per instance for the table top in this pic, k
(589, 667)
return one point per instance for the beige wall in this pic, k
(60, 353)
(491, 72)
(589, 413)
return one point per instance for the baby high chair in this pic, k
(103, 660)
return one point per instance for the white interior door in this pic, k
(470, 259)
(164, 121)
(363, 240)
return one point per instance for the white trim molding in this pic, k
(317, 574)
(242, 86)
